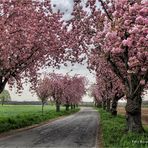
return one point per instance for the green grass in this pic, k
(146, 106)
(114, 135)
(18, 116)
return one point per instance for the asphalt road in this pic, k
(74, 131)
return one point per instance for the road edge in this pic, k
(99, 138)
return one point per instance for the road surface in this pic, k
(74, 131)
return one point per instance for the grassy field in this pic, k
(18, 116)
(114, 135)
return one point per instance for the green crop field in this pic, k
(14, 110)
(18, 116)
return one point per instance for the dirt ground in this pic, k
(121, 110)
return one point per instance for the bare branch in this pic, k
(102, 3)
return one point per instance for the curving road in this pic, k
(74, 131)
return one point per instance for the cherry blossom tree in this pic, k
(43, 91)
(67, 91)
(94, 90)
(31, 36)
(107, 82)
(77, 89)
(56, 88)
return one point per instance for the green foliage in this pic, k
(18, 116)
(5, 96)
(115, 136)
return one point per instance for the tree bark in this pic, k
(133, 114)
(98, 104)
(108, 105)
(72, 106)
(104, 104)
(2, 102)
(67, 107)
(95, 104)
(115, 100)
(42, 108)
(114, 106)
(2, 83)
(57, 106)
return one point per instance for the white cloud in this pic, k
(65, 6)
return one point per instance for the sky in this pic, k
(64, 6)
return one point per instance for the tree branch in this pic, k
(3, 84)
(102, 3)
(117, 71)
(140, 87)
(22, 64)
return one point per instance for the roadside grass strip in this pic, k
(115, 136)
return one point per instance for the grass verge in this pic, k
(18, 116)
(114, 135)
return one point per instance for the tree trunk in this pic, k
(133, 114)
(74, 106)
(95, 104)
(115, 100)
(57, 107)
(98, 104)
(3, 82)
(108, 105)
(71, 106)
(67, 107)
(104, 104)
(114, 106)
(3, 100)
(42, 108)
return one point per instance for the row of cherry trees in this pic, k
(114, 33)
(108, 87)
(65, 90)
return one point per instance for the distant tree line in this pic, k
(22, 103)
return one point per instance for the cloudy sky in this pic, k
(65, 6)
